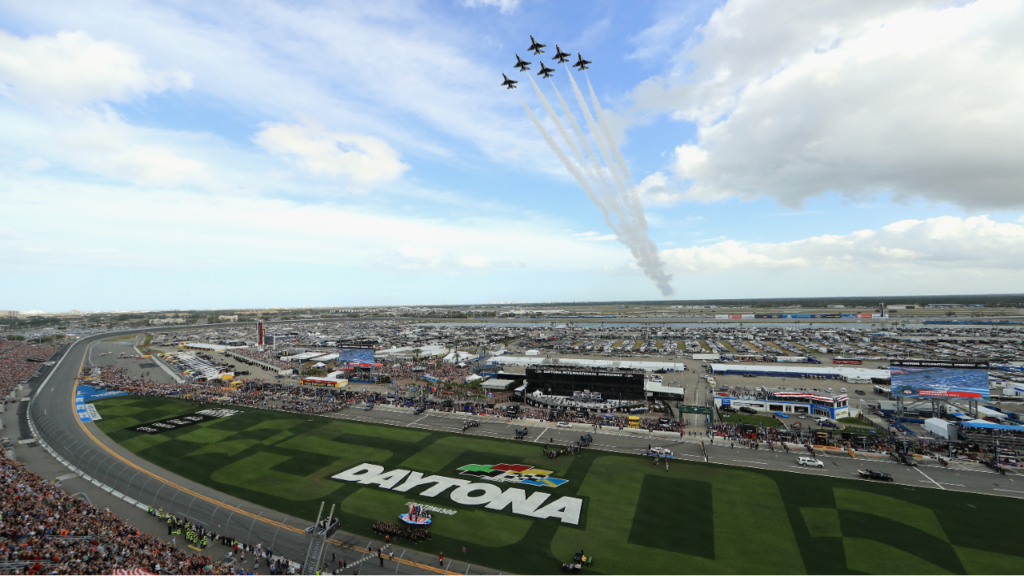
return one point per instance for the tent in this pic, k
(990, 425)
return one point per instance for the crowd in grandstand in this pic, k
(14, 364)
(44, 530)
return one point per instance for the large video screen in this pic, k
(939, 379)
(355, 357)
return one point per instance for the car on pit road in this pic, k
(874, 475)
(808, 461)
(419, 410)
(657, 451)
(564, 424)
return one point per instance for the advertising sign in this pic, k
(182, 421)
(356, 357)
(939, 379)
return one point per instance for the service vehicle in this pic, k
(808, 461)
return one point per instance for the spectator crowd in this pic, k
(43, 530)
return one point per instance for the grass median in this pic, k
(636, 517)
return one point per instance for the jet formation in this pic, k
(536, 48)
(510, 84)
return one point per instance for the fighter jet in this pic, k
(536, 46)
(545, 71)
(561, 56)
(581, 63)
(509, 83)
(523, 65)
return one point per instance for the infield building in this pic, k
(617, 384)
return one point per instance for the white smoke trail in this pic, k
(573, 170)
(631, 196)
(596, 134)
(622, 213)
(597, 175)
(631, 216)
(623, 167)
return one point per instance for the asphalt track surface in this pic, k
(133, 479)
(138, 482)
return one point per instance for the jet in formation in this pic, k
(536, 46)
(561, 56)
(545, 71)
(510, 84)
(523, 65)
(581, 63)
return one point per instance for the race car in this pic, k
(873, 475)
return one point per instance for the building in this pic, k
(789, 402)
(619, 384)
(226, 318)
(802, 371)
(10, 314)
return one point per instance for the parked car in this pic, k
(747, 410)
(873, 475)
(808, 461)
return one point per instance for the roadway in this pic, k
(107, 473)
(956, 478)
(131, 480)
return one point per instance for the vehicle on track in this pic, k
(874, 475)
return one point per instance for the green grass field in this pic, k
(637, 518)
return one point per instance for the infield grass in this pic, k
(636, 518)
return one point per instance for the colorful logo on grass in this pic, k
(513, 474)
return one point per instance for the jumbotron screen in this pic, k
(356, 357)
(939, 379)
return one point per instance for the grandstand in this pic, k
(45, 530)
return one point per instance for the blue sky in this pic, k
(195, 155)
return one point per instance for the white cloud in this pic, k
(365, 159)
(945, 243)
(656, 190)
(95, 220)
(73, 68)
(913, 99)
(473, 261)
(595, 236)
(506, 6)
(405, 74)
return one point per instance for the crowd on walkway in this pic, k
(410, 533)
(267, 356)
(47, 531)
(403, 373)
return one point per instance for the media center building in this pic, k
(619, 384)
